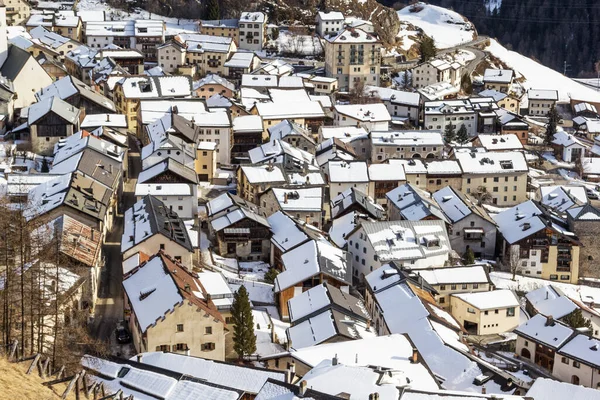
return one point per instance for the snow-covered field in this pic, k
(540, 77)
(446, 27)
(288, 42)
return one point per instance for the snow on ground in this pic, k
(408, 36)
(586, 294)
(288, 42)
(259, 292)
(540, 77)
(446, 27)
(550, 157)
(253, 270)
(262, 328)
(279, 325)
(173, 26)
(491, 5)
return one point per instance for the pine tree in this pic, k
(462, 136)
(244, 339)
(469, 257)
(212, 10)
(45, 167)
(576, 320)
(466, 84)
(449, 133)
(553, 119)
(428, 49)
(271, 275)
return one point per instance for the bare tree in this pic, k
(482, 195)
(513, 261)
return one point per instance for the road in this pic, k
(471, 46)
(109, 307)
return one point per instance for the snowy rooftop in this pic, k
(457, 205)
(408, 138)
(414, 204)
(294, 109)
(376, 112)
(584, 349)
(492, 162)
(125, 28)
(247, 123)
(549, 389)
(352, 35)
(495, 299)
(343, 171)
(286, 233)
(240, 60)
(301, 199)
(500, 142)
(331, 16)
(111, 120)
(542, 94)
(545, 331)
(395, 96)
(562, 198)
(386, 172)
(341, 132)
(255, 17)
(548, 301)
(455, 275)
(263, 173)
(498, 75)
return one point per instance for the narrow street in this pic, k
(109, 307)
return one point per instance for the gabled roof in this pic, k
(277, 390)
(288, 128)
(414, 204)
(456, 205)
(341, 204)
(545, 330)
(15, 61)
(169, 165)
(584, 213)
(562, 198)
(68, 86)
(55, 105)
(227, 202)
(232, 217)
(502, 298)
(288, 233)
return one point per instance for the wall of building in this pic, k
(540, 107)
(508, 192)
(445, 291)
(549, 269)
(564, 370)
(484, 248)
(151, 246)
(496, 321)
(440, 121)
(380, 153)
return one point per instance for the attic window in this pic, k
(506, 164)
(526, 226)
(446, 198)
(143, 295)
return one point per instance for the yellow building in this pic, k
(353, 56)
(221, 27)
(168, 310)
(206, 161)
(17, 12)
(486, 313)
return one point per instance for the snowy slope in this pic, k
(446, 27)
(540, 77)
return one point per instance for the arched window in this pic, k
(525, 353)
(575, 380)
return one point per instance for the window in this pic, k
(496, 312)
(256, 246)
(564, 360)
(442, 300)
(207, 346)
(464, 286)
(476, 286)
(553, 277)
(208, 330)
(470, 310)
(181, 347)
(179, 327)
(510, 312)
(485, 312)
(162, 246)
(442, 287)
(576, 364)
(452, 287)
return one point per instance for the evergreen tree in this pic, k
(428, 49)
(274, 33)
(469, 257)
(213, 10)
(576, 320)
(462, 136)
(45, 167)
(271, 275)
(553, 119)
(449, 133)
(466, 84)
(244, 339)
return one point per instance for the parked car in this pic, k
(591, 194)
(122, 334)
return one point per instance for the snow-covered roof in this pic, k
(263, 173)
(455, 275)
(111, 120)
(163, 189)
(386, 172)
(562, 138)
(542, 94)
(584, 106)
(240, 60)
(290, 110)
(495, 299)
(500, 142)
(492, 162)
(550, 389)
(285, 232)
(457, 206)
(584, 213)
(343, 171)
(352, 35)
(463, 106)
(407, 240)
(277, 150)
(259, 81)
(53, 40)
(247, 123)
(55, 105)
(214, 79)
(562, 198)
(140, 87)
(548, 301)
(342, 132)
(235, 216)
(247, 379)
(395, 96)
(414, 204)
(376, 112)
(330, 16)
(498, 75)
(310, 259)
(300, 199)
(583, 348)
(140, 28)
(254, 17)
(545, 330)
(407, 138)
(412, 166)
(494, 94)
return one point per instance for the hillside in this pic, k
(15, 384)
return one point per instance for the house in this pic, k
(176, 196)
(322, 86)
(415, 244)
(78, 94)
(253, 180)
(329, 23)
(562, 198)
(541, 101)
(168, 310)
(205, 164)
(240, 63)
(288, 233)
(509, 102)
(49, 121)
(253, 30)
(384, 178)
(213, 84)
(580, 220)
(406, 144)
(279, 151)
(537, 242)
(486, 313)
(17, 12)
(452, 280)
(131, 60)
(502, 142)
(143, 35)
(472, 227)
(330, 314)
(498, 79)
(408, 202)
(308, 265)
(539, 339)
(25, 74)
(415, 171)
(442, 173)
(247, 133)
(577, 361)
(402, 106)
(458, 113)
(372, 117)
(221, 27)
(294, 134)
(240, 232)
(349, 63)
(343, 175)
(511, 122)
(568, 147)
(502, 174)
(303, 203)
(549, 388)
(301, 110)
(334, 149)
(353, 200)
(151, 227)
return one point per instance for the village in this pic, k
(238, 209)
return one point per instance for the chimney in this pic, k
(509, 382)
(415, 356)
(285, 198)
(139, 357)
(303, 387)
(483, 390)
(307, 220)
(546, 295)
(107, 117)
(549, 320)
(368, 325)
(334, 360)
